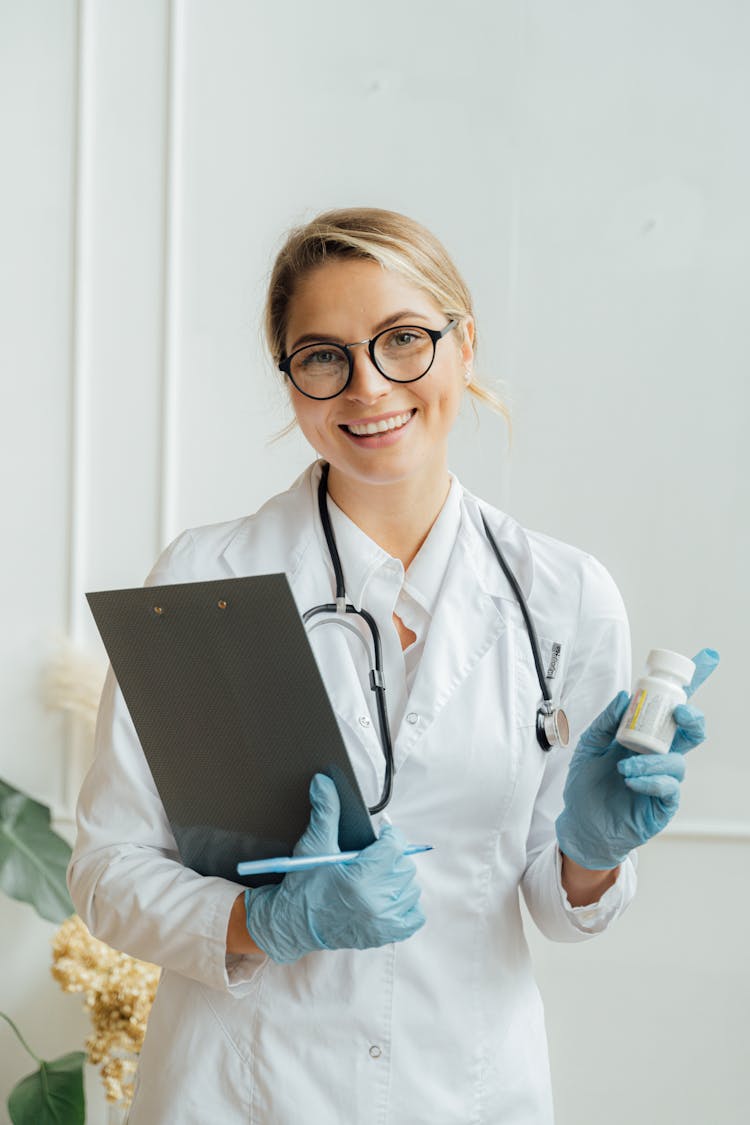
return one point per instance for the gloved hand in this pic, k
(369, 901)
(616, 799)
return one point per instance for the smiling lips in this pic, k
(395, 422)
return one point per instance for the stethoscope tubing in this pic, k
(377, 683)
(547, 728)
(524, 610)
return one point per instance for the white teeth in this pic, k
(381, 427)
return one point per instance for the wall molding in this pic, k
(78, 462)
(79, 359)
(724, 830)
(174, 131)
(728, 831)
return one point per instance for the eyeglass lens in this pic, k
(401, 353)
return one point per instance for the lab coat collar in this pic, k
(462, 510)
(362, 557)
(472, 612)
(510, 538)
(277, 537)
(286, 540)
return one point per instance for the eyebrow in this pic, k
(314, 338)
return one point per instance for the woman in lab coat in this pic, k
(417, 1006)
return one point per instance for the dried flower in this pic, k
(118, 993)
(72, 682)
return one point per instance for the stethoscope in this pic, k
(551, 722)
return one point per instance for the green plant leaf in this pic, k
(33, 858)
(52, 1095)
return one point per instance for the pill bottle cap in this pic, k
(673, 663)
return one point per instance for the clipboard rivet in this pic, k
(222, 604)
(158, 609)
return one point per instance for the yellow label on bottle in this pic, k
(640, 699)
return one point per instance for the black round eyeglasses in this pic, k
(402, 354)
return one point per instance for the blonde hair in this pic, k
(398, 243)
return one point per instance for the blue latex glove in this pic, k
(615, 799)
(369, 901)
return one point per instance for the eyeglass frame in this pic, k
(435, 335)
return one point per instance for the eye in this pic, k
(321, 357)
(404, 339)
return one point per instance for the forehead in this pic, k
(346, 296)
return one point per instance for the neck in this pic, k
(397, 515)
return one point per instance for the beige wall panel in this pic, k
(81, 225)
(279, 118)
(649, 1021)
(124, 148)
(631, 308)
(37, 125)
(631, 390)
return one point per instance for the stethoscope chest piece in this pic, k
(552, 728)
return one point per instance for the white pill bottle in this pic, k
(647, 726)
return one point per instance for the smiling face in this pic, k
(346, 300)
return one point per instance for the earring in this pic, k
(467, 375)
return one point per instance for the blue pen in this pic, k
(299, 863)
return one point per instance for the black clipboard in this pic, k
(232, 714)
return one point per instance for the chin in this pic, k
(378, 474)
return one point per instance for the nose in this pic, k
(368, 384)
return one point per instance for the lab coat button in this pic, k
(364, 721)
(375, 1052)
(412, 717)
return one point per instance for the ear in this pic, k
(467, 344)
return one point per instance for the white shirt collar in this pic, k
(361, 557)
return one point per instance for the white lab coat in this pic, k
(446, 1028)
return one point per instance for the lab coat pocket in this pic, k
(235, 1015)
(204, 1074)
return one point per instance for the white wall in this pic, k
(586, 165)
